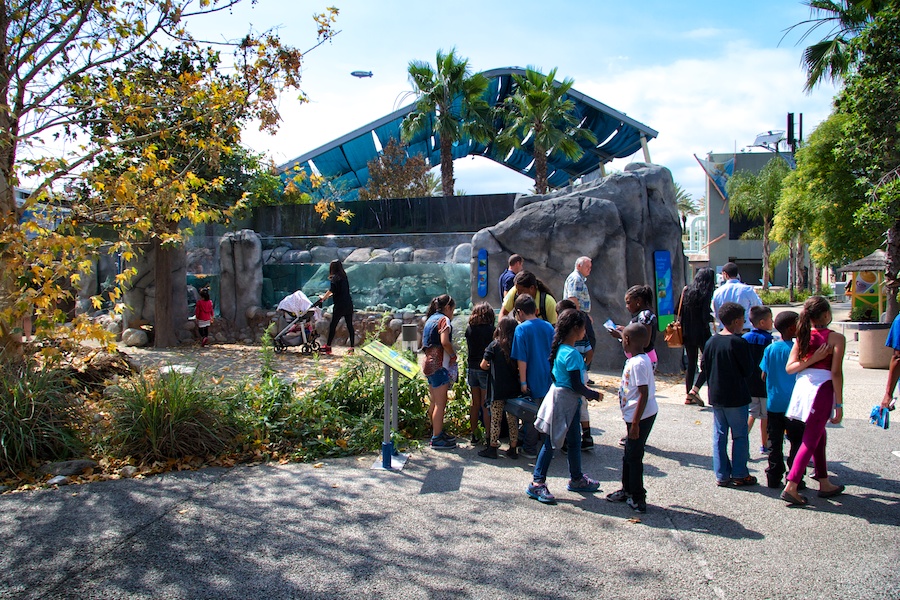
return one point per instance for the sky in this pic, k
(708, 76)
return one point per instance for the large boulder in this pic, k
(618, 221)
(240, 283)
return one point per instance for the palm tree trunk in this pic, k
(540, 170)
(447, 166)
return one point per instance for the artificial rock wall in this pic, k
(618, 221)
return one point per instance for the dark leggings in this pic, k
(337, 315)
(693, 353)
(204, 332)
(633, 460)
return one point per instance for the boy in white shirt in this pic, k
(637, 398)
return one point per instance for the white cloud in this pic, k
(717, 104)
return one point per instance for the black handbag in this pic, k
(523, 407)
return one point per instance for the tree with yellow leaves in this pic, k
(139, 156)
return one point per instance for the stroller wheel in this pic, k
(279, 347)
(305, 349)
(315, 346)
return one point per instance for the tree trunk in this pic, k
(765, 255)
(447, 166)
(793, 269)
(540, 170)
(9, 221)
(817, 275)
(892, 266)
(163, 329)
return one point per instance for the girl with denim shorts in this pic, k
(440, 358)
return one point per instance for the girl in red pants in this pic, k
(817, 358)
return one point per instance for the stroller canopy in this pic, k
(296, 303)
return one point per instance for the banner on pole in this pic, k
(718, 173)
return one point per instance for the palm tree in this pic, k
(451, 102)
(540, 113)
(831, 58)
(756, 197)
(685, 204)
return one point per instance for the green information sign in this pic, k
(392, 358)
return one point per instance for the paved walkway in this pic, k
(455, 525)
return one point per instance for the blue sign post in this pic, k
(394, 364)
(665, 301)
(482, 272)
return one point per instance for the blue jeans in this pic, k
(573, 440)
(734, 419)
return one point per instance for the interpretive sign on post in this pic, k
(665, 298)
(394, 362)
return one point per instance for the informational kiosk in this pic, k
(395, 364)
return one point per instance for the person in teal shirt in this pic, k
(559, 416)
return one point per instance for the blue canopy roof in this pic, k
(345, 159)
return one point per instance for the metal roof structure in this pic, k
(344, 160)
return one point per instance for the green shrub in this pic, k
(358, 391)
(171, 416)
(862, 314)
(456, 417)
(774, 297)
(37, 416)
(260, 412)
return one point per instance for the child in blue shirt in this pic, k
(779, 386)
(559, 416)
(759, 338)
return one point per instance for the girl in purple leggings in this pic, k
(817, 359)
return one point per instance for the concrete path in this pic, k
(455, 525)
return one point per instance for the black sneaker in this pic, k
(446, 436)
(440, 444)
(512, 453)
(618, 496)
(587, 442)
(638, 507)
(489, 452)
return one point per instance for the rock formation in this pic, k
(618, 221)
(240, 283)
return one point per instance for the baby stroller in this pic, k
(299, 331)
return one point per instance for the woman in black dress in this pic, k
(696, 316)
(343, 303)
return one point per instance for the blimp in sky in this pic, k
(361, 74)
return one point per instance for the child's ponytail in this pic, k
(803, 331)
(438, 304)
(567, 322)
(813, 309)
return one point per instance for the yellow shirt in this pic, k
(509, 303)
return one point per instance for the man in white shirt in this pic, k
(733, 290)
(576, 288)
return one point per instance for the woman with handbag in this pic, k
(696, 316)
